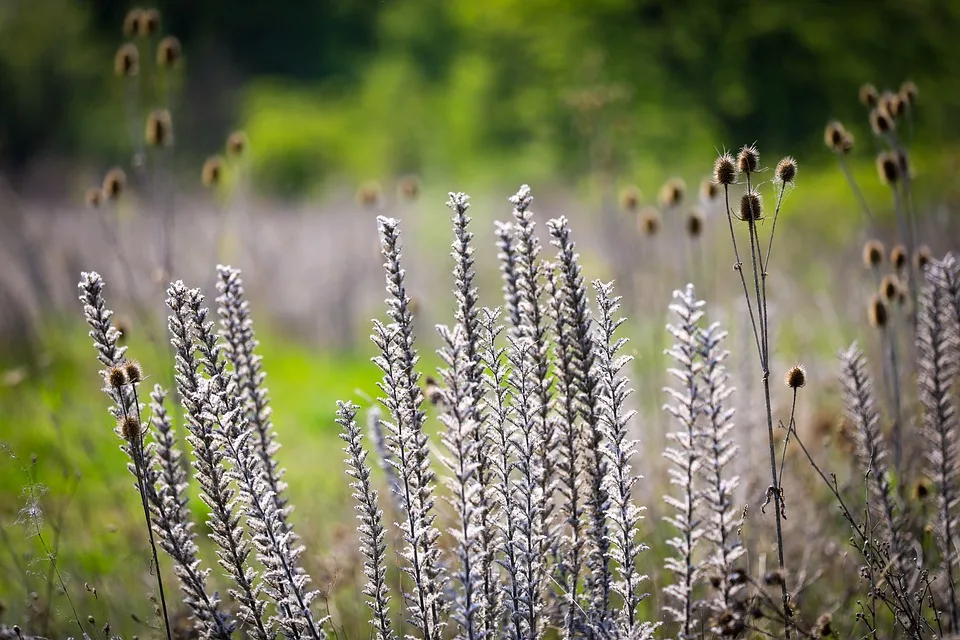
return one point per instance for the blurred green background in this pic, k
(546, 89)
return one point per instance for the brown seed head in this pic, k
(129, 428)
(169, 53)
(237, 144)
(888, 167)
(889, 288)
(869, 95)
(93, 197)
(786, 170)
(921, 490)
(898, 257)
(131, 23)
(212, 171)
(796, 377)
(695, 222)
(891, 104)
(159, 132)
(370, 195)
(709, 191)
(833, 136)
(724, 170)
(777, 577)
(648, 221)
(909, 93)
(126, 62)
(114, 183)
(672, 192)
(873, 254)
(134, 371)
(409, 188)
(877, 312)
(751, 207)
(748, 160)
(116, 377)
(881, 122)
(824, 626)
(148, 23)
(922, 257)
(630, 198)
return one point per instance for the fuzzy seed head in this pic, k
(922, 257)
(888, 167)
(724, 170)
(709, 191)
(370, 195)
(114, 183)
(148, 23)
(748, 160)
(837, 138)
(126, 62)
(672, 192)
(824, 626)
(212, 171)
(695, 222)
(873, 253)
(909, 93)
(786, 171)
(237, 144)
(751, 207)
(921, 490)
(129, 428)
(889, 288)
(116, 377)
(408, 188)
(869, 95)
(796, 377)
(898, 257)
(877, 312)
(891, 104)
(131, 23)
(134, 371)
(648, 222)
(159, 131)
(630, 197)
(169, 53)
(881, 122)
(93, 198)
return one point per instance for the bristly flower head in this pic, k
(159, 131)
(116, 377)
(672, 192)
(889, 288)
(888, 167)
(881, 122)
(114, 183)
(891, 104)
(237, 144)
(408, 188)
(129, 428)
(133, 371)
(93, 197)
(869, 95)
(837, 138)
(131, 23)
(148, 23)
(786, 171)
(724, 170)
(695, 222)
(648, 221)
(796, 377)
(873, 253)
(877, 312)
(922, 257)
(748, 160)
(751, 207)
(709, 191)
(169, 53)
(898, 257)
(909, 93)
(127, 60)
(212, 171)
(630, 198)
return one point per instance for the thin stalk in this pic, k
(855, 187)
(791, 428)
(63, 585)
(738, 267)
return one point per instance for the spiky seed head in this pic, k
(889, 288)
(921, 490)
(370, 195)
(126, 62)
(129, 428)
(837, 138)
(873, 254)
(751, 207)
(890, 104)
(148, 23)
(898, 257)
(881, 122)
(114, 183)
(159, 132)
(648, 221)
(786, 171)
(212, 171)
(922, 257)
(116, 377)
(877, 312)
(724, 170)
(630, 197)
(131, 23)
(748, 160)
(169, 53)
(869, 95)
(796, 377)
(237, 144)
(134, 371)
(408, 188)
(888, 167)
(695, 222)
(93, 197)
(824, 626)
(909, 93)
(709, 191)
(672, 192)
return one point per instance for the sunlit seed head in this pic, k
(212, 171)
(824, 626)
(898, 257)
(869, 95)
(93, 197)
(796, 377)
(786, 171)
(891, 104)
(880, 122)
(370, 195)
(114, 183)
(873, 253)
(648, 222)
(630, 198)
(148, 23)
(724, 170)
(237, 144)
(129, 428)
(116, 377)
(159, 130)
(909, 93)
(672, 193)
(751, 207)
(695, 222)
(169, 53)
(408, 188)
(748, 160)
(888, 167)
(877, 312)
(126, 62)
(833, 136)
(134, 371)
(709, 191)
(922, 257)
(889, 288)
(131, 23)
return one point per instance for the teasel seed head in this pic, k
(116, 377)
(169, 53)
(751, 207)
(237, 144)
(888, 167)
(370, 195)
(212, 171)
(786, 171)
(630, 197)
(126, 62)
(133, 371)
(898, 257)
(889, 288)
(748, 160)
(648, 221)
(695, 221)
(672, 192)
(796, 377)
(709, 191)
(873, 253)
(432, 391)
(921, 490)
(114, 183)
(922, 257)
(724, 170)
(159, 132)
(129, 428)
(148, 23)
(881, 122)
(909, 93)
(877, 312)
(833, 135)
(93, 197)
(824, 626)
(408, 188)
(891, 104)
(131, 23)
(869, 95)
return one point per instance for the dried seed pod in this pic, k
(877, 312)
(748, 160)
(134, 371)
(672, 192)
(786, 171)
(695, 222)
(116, 377)
(835, 137)
(126, 62)
(129, 428)
(709, 191)
(237, 144)
(630, 198)
(148, 23)
(909, 93)
(751, 207)
(922, 257)
(889, 288)
(881, 122)
(898, 257)
(131, 23)
(724, 170)
(796, 377)
(169, 53)
(869, 95)
(888, 167)
(212, 171)
(114, 183)
(648, 222)
(873, 253)
(159, 131)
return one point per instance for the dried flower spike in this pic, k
(888, 167)
(748, 160)
(724, 170)
(695, 222)
(630, 197)
(796, 377)
(648, 221)
(212, 171)
(114, 183)
(126, 62)
(237, 144)
(672, 192)
(869, 95)
(751, 207)
(786, 171)
(159, 132)
(169, 53)
(877, 312)
(898, 257)
(148, 23)
(873, 253)
(93, 197)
